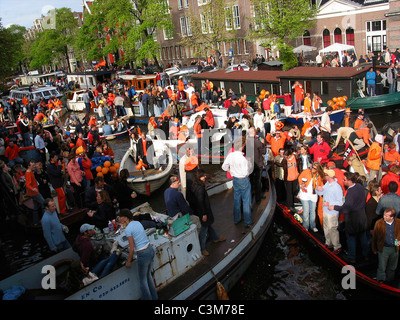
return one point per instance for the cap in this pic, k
(329, 172)
(379, 138)
(330, 164)
(85, 227)
(279, 125)
(191, 163)
(347, 110)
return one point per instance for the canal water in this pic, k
(287, 267)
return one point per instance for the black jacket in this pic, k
(56, 176)
(201, 204)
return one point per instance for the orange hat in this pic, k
(279, 125)
(330, 164)
(191, 163)
(347, 110)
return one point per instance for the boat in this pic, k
(145, 181)
(179, 270)
(389, 101)
(390, 129)
(75, 101)
(365, 272)
(299, 118)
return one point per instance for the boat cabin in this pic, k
(139, 82)
(35, 93)
(241, 82)
(89, 79)
(328, 82)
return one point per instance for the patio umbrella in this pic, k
(304, 48)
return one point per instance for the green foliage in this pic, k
(287, 56)
(124, 24)
(212, 29)
(11, 41)
(281, 21)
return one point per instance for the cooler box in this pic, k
(180, 225)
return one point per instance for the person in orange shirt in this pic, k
(364, 134)
(209, 117)
(277, 141)
(299, 96)
(107, 150)
(307, 104)
(80, 142)
(391, 155)
(92, 121)
(194, 100)
(359, 121)
(25, 101)
(197, 131)
(32, 191)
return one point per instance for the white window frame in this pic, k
(228, 18)
(182, 21)
(236, 16)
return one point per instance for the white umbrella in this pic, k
(304, 48)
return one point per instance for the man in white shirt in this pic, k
(239, 167)
(325, 124)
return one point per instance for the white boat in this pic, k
(75, 101)
(145, 181)
(179, 269)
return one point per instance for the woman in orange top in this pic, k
(307, 104)
(197, 131)
(291, 173)
(108, 151)
(32, 190)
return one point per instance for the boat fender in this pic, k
(221, 292)
(148, 188)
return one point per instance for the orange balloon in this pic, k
(116, 165)
(112, 169)
(100, 174)
(342, 103)
(345, 98)
(98, 169)
(263, 92)
(107, 164)
(104, 170)
(334, 99)
(330, 102)
(267, 93)
(261, 96)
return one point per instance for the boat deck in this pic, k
(222, 206)
(366, 268)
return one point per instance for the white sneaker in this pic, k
(315, 229)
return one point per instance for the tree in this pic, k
(205, 30)
(279, 22)
(11, 41)
(52, 44)
(127, 25)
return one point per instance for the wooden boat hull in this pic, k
(377, 103)
(146, 184)
(363, 278)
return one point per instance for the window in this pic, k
(183, 26)
(180, 4)
(189, 27)
(201, 2)
(324, 88)
(307, 38)
(228, 19)
(376, 43)
(168, 35)
(239, 46)
(326, 36)
(350, 36)
(337, 33)
(246, 46)
(236, 17)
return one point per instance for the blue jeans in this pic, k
(308, 213)
(371, 89)
(242, 194)
(147, 286)
(203, 235)
(12, 162)
(38, 206)
(392, 87)
(105, 266)
(352, 244)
